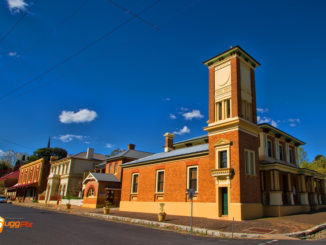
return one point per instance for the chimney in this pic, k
(131, 147)
(168, 142)
(90, 153)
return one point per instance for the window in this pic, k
(281, 152)
(192, 178)
(90, 192)
(247, 110)
(160, 181)
(223, 159)
(228, 108)
(222, 110)
(269, 148)
(115, 168)
(110, 168)
(134, 188)
(250, 166)
(291, 155)
(218, 111)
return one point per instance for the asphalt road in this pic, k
(58, 228)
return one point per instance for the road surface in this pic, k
(59, 228)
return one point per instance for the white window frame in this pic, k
(132, 183)
(250, 169)
(188, 176)
(217, 156)
(156, 183)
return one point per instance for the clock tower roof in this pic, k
(230, 52)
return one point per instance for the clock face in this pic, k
(223, 76)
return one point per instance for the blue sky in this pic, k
(140, 82)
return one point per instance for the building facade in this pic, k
(66, 175)
(228, 167)
(32, 179)
(104, 184)
(8, 183)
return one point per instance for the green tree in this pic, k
(46, 153)
(302, 155)
(318, 164)
(5, 167)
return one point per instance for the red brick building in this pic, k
(227, 167)
(104, 184)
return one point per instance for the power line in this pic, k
(14, 26)
(13, 143)
(128, 11)
(63, 21)
(80, 51)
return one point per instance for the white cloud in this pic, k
(83, 115)
(262, 110)
(172, 116)
(16, 6)
(267, 120)
(274, 124)
(167, 99)
(108, 145)
(192, 114)
(184, 130)
(13, 54)
(293, 121)
(2, 153)
(69, 137)
(184, 109)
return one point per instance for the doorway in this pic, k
(224, 200)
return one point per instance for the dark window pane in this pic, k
(223, 159)
(160, 181)
(269, 147)
(135, 184)
(193, 178)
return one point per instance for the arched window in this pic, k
(90, 192)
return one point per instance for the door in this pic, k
(224, 192)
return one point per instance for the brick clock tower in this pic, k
(233, 134)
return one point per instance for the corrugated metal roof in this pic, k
(191, 139)
(130, 154)
(174, 153)
(82, 155)
(12, 175)
(105, 177)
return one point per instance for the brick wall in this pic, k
(244, 188)
(175, 184)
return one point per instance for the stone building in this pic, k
(66, 175)
(238, 169)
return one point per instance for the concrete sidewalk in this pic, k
(269, 228)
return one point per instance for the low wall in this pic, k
(75, 202)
